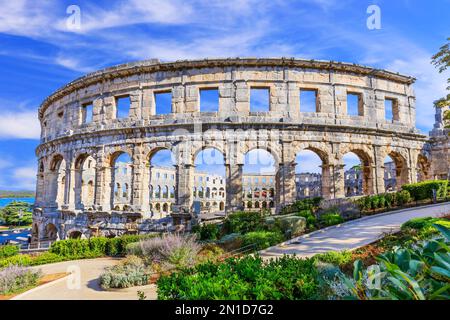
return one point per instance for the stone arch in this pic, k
(84, 184)
(57, 180)
(149, 176)
(120, 176)
(367, 165)
(324, 188)
(74, 234)
(50, 232)
(401, 168)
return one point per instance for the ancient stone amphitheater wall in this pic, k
(82, 131)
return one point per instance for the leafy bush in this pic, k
(231, 241)
(424, 190)
(207, 231)
(290, 225)
(262, 239)
(96, 246)
(331, 218)
(403, 197)
(20, 260)
(311, 220)
(245, 278)
(418, 273)
(173, 251)
(310, 204)
(243, 222)
(128, 273)
(8, 251)
(338, 258)
(16, 278)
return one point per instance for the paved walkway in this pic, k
(352, 234)
(89, 289)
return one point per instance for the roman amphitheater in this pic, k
(84, 187)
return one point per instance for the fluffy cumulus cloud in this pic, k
(19, 125)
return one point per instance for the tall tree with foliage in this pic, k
(441, 60)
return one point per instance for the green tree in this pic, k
(16, 213)
(441, 60)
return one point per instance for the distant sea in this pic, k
(6, 201)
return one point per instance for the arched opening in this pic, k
(423, 168)
(57, 180)
(162, 182)
(122, 175)
(357, 174)
(389, 175)
(51, 232)
(209, 176)
(222, 206)
(308, 174)
(258, 179)
(84, 181)
(396, 168)
(75, 235)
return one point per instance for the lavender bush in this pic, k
(15, 278)
(173, 251)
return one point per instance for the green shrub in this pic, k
(19, 259)
(16, 278)
(421, 272)
(46, 257)
(402, 197)
(311, 220)
(130, 272)
(8, 251)
(207, 231)
(290, 225)
(243, 222)
(311, 204)
(248, 278)
(331, 219)
(337, 258)
(424, 190)
(262, 239)
(418, 223)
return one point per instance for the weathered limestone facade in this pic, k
(72, 144)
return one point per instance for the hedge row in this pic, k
(95, 247)
(72, 249)
(384, 201)
(7, 251)
(424, 190)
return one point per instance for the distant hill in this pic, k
(16, 194)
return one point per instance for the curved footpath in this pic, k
(353, 234)
(347, 236)
(88, 289)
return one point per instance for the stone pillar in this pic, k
(233, 187)
(285, 184)
(103, 189)
(68, 196)
(138, 185)
(339, 181)
(327, 181)
(184, 182)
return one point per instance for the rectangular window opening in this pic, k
(259, 99)
(123, 107)
(87, 111)
(209, 100)
(163, 102)
(308, 100)
(354, 104)
(391, 109)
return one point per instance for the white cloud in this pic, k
(19, 125)
(24, 178)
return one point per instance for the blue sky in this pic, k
(38, 53)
